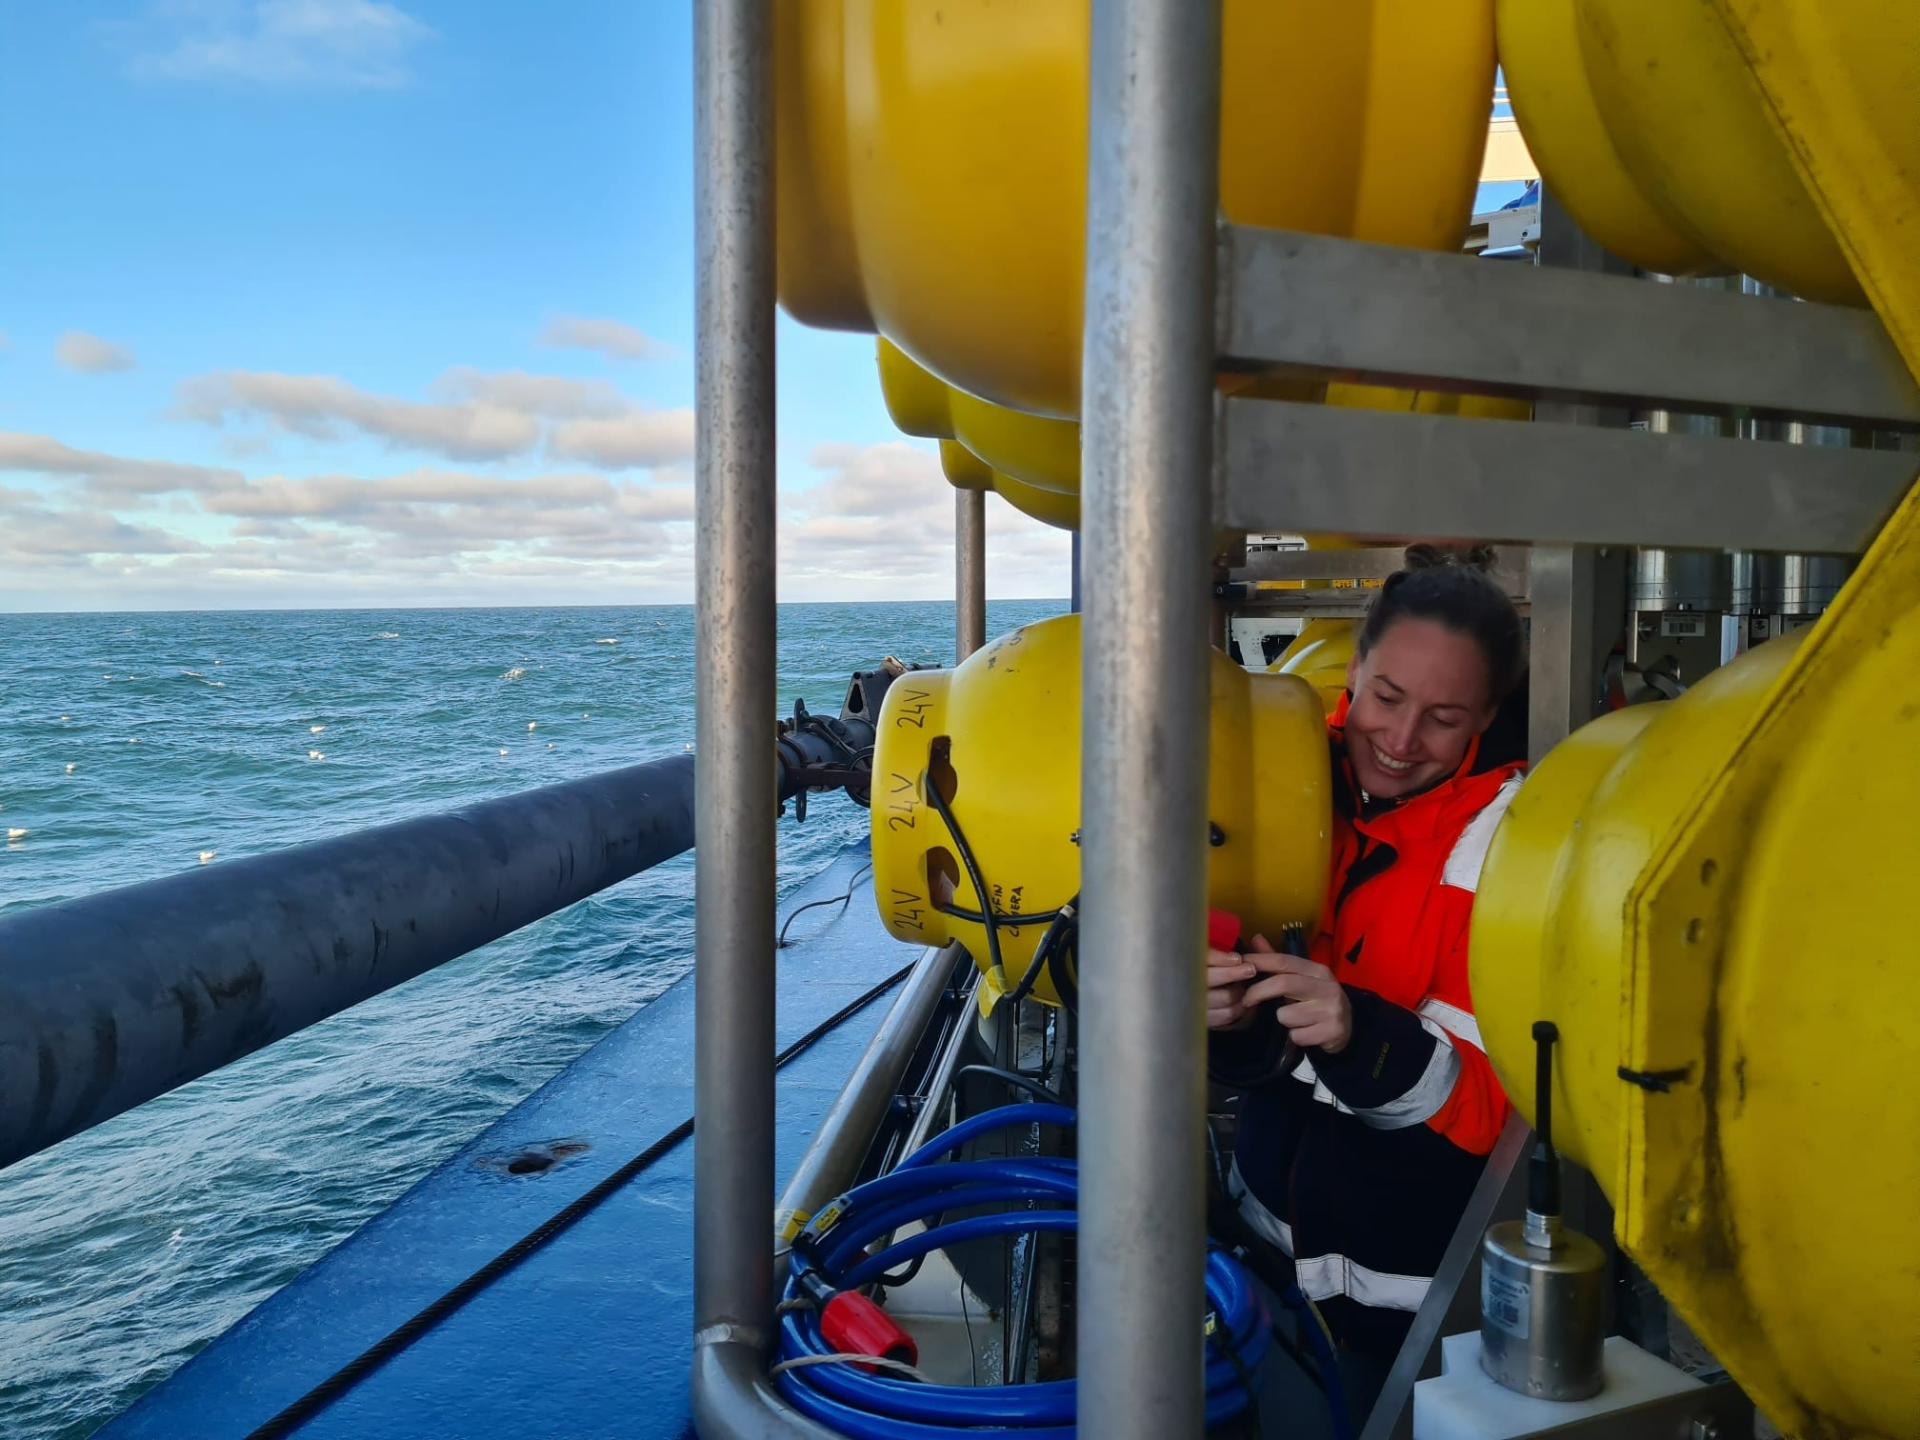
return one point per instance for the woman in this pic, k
(1357, 1160)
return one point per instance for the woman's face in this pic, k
(1419, 698)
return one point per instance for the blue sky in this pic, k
(350, 261)
(339, 302)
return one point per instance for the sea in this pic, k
(134, 746)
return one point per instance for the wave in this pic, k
(17, 832)
(606, 642)
(517, 672)
(386, 635)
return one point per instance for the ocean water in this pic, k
(134, 746)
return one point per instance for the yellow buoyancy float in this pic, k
(1709, 898)
(1042, 453)
(967, 471)
(933, 160)
(1649, 123)
(1034, 449)
(999, 739)
(1319, 655)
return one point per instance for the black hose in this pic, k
(1018, 1081)
(410, 1330)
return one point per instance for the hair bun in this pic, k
(1432, 557)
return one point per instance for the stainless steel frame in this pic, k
(1360, 472)
(846, 1131)
(1375, 563)
(1145, 444)
(1395, 315)
(734, 693)
(969, 571)
(1501, 1191)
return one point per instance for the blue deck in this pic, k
(589, 1336)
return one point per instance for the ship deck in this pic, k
(591, 1334)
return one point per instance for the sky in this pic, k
(350, 302)
(344, 302)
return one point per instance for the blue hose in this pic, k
(861, 1404)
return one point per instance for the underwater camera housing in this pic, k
(976, 804)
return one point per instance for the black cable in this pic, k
(1065, 973)
(1064, 918)
(1223, 1342)
(986, 917)
(1012, 922)
(410, 1330)
(846, 899)
(1017, 1080)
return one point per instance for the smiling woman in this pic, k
(1441, 649)
(1357, 1161)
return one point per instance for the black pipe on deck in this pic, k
(110, 1000)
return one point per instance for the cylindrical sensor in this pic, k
(1543, 1294)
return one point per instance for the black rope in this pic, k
(398, 1339)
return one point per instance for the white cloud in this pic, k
(613, 338)
(884, 517)
(477, 415)
(643, 438)
(358, 44)
(108, 476)
(90, 355)
(552, 396)
(318, 406)
(877, 523)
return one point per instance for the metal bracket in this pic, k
(1283, 465)
(1396, 316)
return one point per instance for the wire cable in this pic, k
(986, 916)
(1017, 1080)
(780, 943)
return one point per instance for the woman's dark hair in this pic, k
(1456, 591)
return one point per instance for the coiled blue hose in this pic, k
(881, 1407)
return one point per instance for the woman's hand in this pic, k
(1320, 1014)
(1227, 976)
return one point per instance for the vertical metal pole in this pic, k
(1577, 592)
(734, 690)
(1146, 408)
(1073, 603)
(969, 572)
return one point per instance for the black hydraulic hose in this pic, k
(410, 1330)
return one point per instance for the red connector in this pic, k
(1223, 930)
(854, 1325)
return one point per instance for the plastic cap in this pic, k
(854, 1325)
(1223, 930)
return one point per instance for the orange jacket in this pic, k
(1358, 1164)
(1399, 903)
